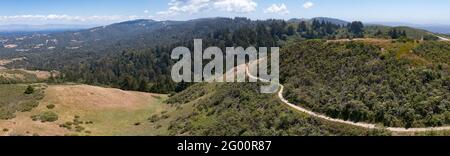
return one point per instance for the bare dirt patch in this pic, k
(42, 75)
(92, 97)
(8, 61)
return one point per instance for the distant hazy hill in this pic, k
(436, 28)
(442, 29)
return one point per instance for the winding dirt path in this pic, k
(358, 124)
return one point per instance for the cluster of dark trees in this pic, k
(397, 34)
(141, 70)
(329, 30)
(355, 81)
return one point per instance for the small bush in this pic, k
(67, 125)
(5, 129)
(79, 128)
(156, 97)
(50, 106)
(153, 118)
(45, 117)
(77, 121)
(35, 117)
(29, 90)
(165, 116)
(89, 122)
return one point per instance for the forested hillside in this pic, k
(134, 55)
(240, 110)
(394, 78)
(363, 82)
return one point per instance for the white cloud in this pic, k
(308, 5)
(240, 6)
(184, 6)
(277, 9)
(146, 11)
(62, 18)
(195, 6)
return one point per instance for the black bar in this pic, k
(169, 145)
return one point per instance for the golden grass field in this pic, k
(101, 111)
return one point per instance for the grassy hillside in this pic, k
(12, 76)
(394, 84)
(13, 99)
(89, 110)
(413, 33)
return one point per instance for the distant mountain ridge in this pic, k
(39, 28)
(435, 28)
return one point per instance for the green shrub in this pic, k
(165, 116)
(50, 106)
(45, 117)
(35, 117)
(158, 126)
(79, 128)
(29, 90)
(153, 118)
(67, 125)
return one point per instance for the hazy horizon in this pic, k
(104, 12)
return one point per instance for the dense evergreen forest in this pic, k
(143, 63)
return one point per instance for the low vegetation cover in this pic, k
(436, 52)
(359, 82)
(11, 76)
(14, 99)
(240, 110)
(45, 117)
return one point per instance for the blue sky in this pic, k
(109, 11)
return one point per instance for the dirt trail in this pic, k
(443, 39)
(358, 124)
